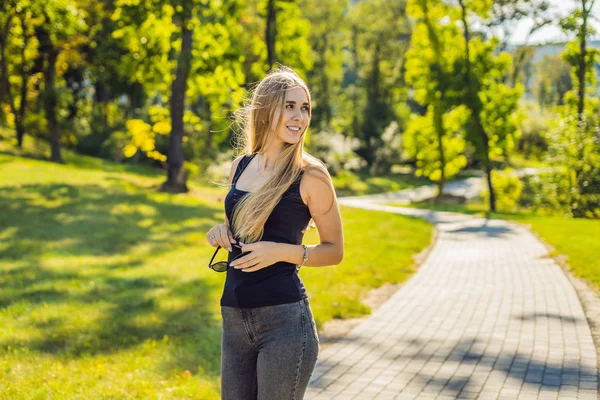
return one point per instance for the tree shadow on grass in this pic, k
(131, 317)
(91, 220)
(85, 162)
(94, 221)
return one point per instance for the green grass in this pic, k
(574, 238)
(104, 288)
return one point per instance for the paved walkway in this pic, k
(488, 315)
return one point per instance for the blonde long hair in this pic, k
(256, 119)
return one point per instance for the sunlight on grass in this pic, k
(105, 290)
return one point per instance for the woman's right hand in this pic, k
(220, 235)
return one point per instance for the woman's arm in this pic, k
(318, 193)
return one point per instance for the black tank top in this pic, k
(279, 283)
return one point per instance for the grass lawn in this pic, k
(104, 288)
(575, 238)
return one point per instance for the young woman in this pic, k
(269, 342)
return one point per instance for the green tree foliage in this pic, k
(168, 46)
(575, 147)
(108, 96)
(273, 31)
(292, 45)
(578, 55)
(508, 188)
(435, 140)
(43, 44)
(18, 53)
(381, 32)
(423, 142)
(493, 126)
(325, 77)
(553, 81)
(575, 139)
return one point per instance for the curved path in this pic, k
(488, 315)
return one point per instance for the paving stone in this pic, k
(488, 315)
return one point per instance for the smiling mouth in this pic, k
(294, 128)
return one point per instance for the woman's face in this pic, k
(296, 116)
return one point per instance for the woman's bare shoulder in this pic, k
(316, 181)
(315, 168)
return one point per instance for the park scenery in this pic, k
(116, 140)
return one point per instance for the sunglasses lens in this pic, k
(220, 266)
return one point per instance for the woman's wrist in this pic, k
(291, 253)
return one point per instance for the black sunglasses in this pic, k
(221, 266)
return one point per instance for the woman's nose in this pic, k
(298, 115)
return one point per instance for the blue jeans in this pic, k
(268, 352)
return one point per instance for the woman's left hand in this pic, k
(262, 255)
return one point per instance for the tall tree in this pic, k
(473, 101)
(493, 106)
(161, 38)
(17, 54)
(574, 142)
(583, 59)
(271, 32)
(436, 139)
(383, 36)
(325, 77)
(59, 35)
(280, 42)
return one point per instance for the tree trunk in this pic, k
(355, 122)
(100, 106)
(581, 69)
(439, 130)
(271, 32)
(20, 115)
(438, 109)
(4, 85)
(373, 97)
(50, 105)
(325, 83)
(176, 180)
(5, 89)
(474, 103)
(209, 136)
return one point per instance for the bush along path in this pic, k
(488, 315)
(466, 189)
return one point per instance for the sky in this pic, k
(552, 33)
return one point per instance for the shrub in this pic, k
(546, 193)
(335, 149)
(347, 182)
(390, 152)
(533, 143)
(507, 187)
